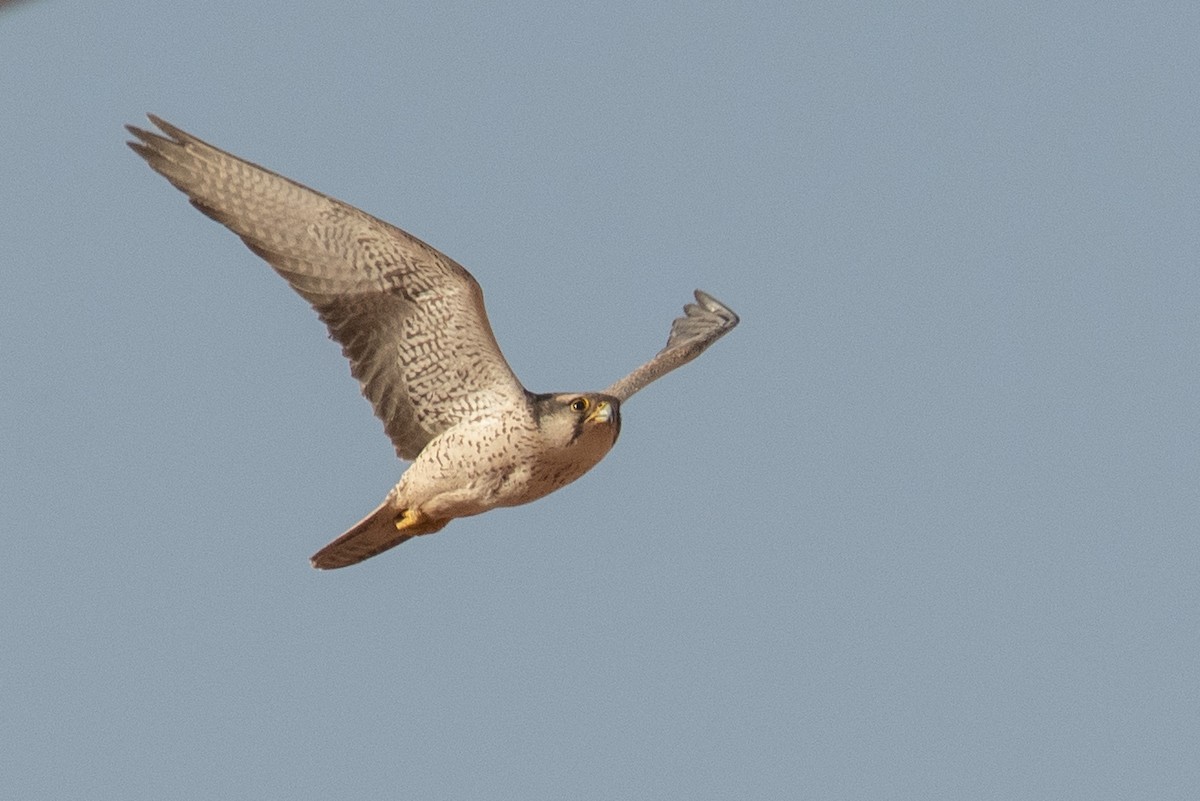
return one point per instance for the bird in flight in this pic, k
(411, 322)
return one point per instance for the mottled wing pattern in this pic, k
(410, 320)
(703, 323)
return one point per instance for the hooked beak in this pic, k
(602, 414)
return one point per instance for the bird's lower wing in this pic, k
(703, 323)
(410, 320)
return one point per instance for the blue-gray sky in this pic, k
(924, 526)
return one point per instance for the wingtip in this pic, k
(162, 125)
(178, 134)
(711, 304)
(143, 136)
(140, 134)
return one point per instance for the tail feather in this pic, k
(372, 535)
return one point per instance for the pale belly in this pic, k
(468, 472)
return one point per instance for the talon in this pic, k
(407, 519)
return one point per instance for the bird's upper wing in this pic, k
(410, 320)
(703, 323)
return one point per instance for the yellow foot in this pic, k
(407, 519)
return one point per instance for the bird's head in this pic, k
(579, 420)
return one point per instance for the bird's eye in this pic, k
(580, 404)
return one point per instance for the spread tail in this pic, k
(384, 528)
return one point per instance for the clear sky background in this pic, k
(924, 526)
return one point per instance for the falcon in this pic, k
(411, 322)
